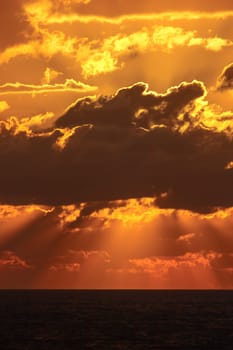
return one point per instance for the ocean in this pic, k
(120, 320)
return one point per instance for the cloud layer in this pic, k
(119, 244)
(135, 143)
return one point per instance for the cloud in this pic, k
(107, 53)
(66, 5)
(3, 106)
(69, 85)
(229, 165)
(9, 260)
(137, 228)
(104, 56)
(169, 272)
(35, 123)
(163, 264)
(136, 143)
(78, 17)
(74, 261)
(114, 244)
(48, 11)
(46, 44)
(149, 7)
(130, 105)
(225, 80)
(50, 75)
(72, 267)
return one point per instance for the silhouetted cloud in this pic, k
(225, 80)
(133, 105)
(136, 143)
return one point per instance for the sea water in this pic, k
(130, 319)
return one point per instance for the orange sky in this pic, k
(116, 144)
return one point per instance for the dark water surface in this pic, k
(54, 320)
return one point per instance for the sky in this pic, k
(116, 144)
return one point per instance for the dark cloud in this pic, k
(225, 80)
(111, 111)
(91, 207)
(133, 144)
(121, 109)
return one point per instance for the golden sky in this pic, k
(116, 145)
